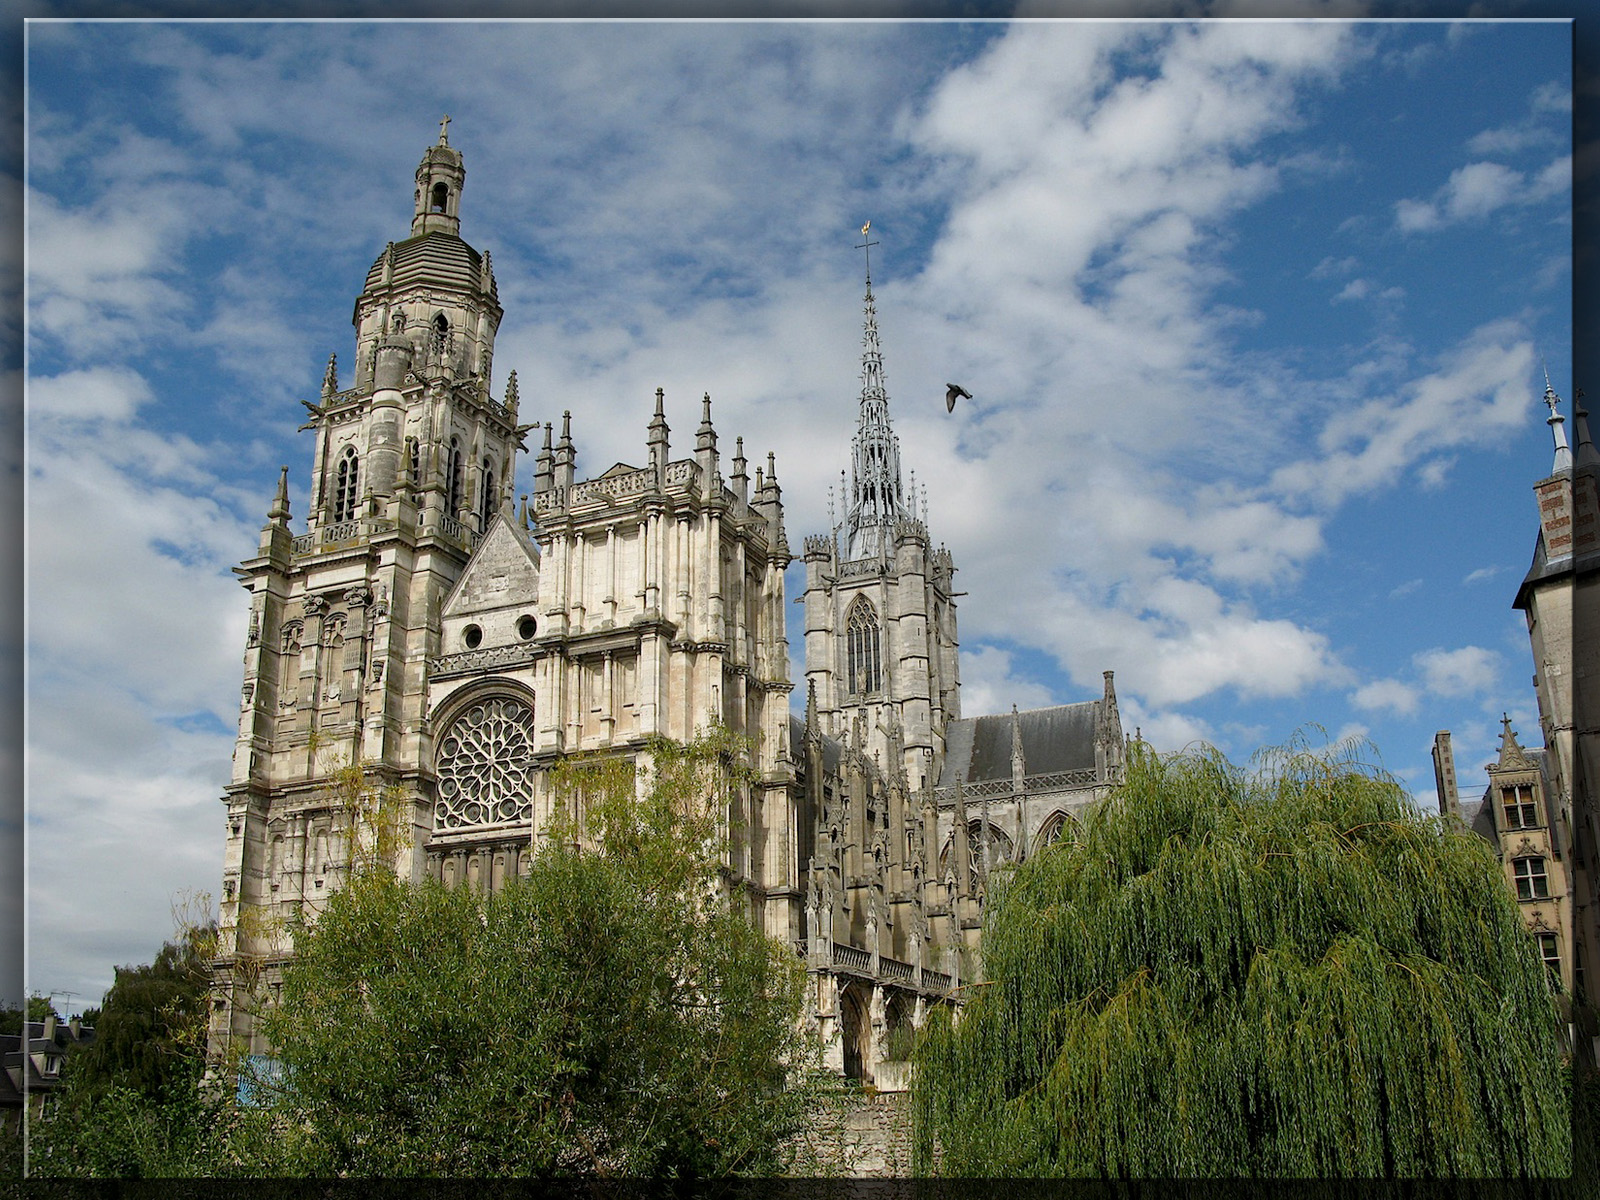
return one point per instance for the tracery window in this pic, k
(344, 495)
(864, 670)
(485, 767)
(1059, 826)
(1517, 803)
(1529, 873)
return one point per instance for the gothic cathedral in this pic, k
(455, 645)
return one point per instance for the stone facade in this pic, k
(1538, 809)
(458, 646)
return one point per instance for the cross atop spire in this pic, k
(867, 246)
(444, 130)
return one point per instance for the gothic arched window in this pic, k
(441, 193)
(486, 505)
(864, 668)
(413, 463)
(485, 767)
(453, 496)
(344, 495)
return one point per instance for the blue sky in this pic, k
(1254, 317)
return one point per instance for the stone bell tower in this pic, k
(410, 463)
(880, 613)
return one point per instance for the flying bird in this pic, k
(952, 390)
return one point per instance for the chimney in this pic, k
(1444, 776)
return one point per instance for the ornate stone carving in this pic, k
(485, 766)
(358, 597)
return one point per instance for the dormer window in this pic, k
(441, 194)
(344, 495)
(1517, 804)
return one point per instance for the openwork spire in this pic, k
(876, 497)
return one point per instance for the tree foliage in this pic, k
(38, 1008)
(612, 1011)
(150, 1029)
(1278, 972)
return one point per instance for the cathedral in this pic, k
(458, 641)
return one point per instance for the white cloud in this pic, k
(1478, 390)
(1386, 694)
(1356, 289)
(1482, 574)
(1467, 671)
(988, 686)
(1404, 589)
(1478, 189)
(1330, 267)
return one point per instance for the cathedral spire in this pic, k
(876, 498)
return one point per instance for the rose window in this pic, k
(486, 766)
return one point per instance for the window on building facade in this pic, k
(413, 463)
(1517, 803)
(485, 768)
(453, 495)
(1550, 951)
(346, 480)
(1530, 877)
(486, 503)
(864, 667)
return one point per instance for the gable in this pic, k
(503, 572)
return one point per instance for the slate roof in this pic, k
(1053, 739)
(832, 751)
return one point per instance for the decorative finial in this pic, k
(867, 246)
(1557, 423)
(705, 409)
(279, 512)
(660, 399)
(444, 130)
(330, 377)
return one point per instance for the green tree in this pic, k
(150, 1029)
(612, 1011)
(1278, 972)
(38, 1008)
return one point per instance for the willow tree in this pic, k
(1277, 972)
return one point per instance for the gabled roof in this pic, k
(1060, 738)
(503, 571)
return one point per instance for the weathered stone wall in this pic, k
(875, 1141)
